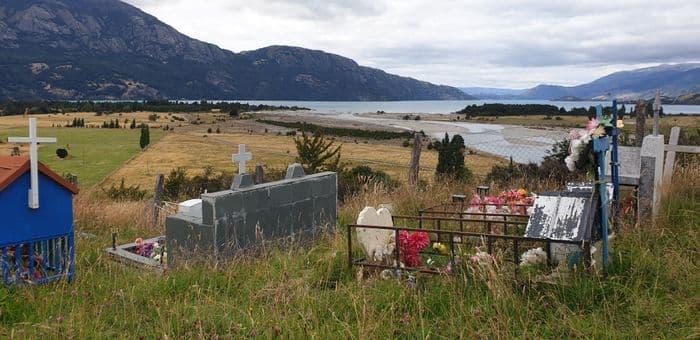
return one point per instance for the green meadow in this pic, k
(92, 153)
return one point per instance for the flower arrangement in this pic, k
(495, 204)
(153, 250)
(411, 245)
(580, 139)
(533, 257)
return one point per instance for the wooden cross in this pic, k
(33, 142)
(242, 157)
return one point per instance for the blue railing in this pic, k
(38, 261)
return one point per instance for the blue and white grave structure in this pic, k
(36, 228)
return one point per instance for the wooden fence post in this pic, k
(641, 111)
(157, 199)
(671, 156)
(415, 160)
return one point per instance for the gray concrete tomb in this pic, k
(297, 207)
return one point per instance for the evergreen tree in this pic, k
(451, 158)
(145, 138)
(317, 153)
(133, 124)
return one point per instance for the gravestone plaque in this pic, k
(562, 216)
(630, 161)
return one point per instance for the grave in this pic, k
(36, 241)
(248, 215)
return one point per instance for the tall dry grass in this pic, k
(306, 291)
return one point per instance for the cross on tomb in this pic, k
(242, 157)
(33, 140)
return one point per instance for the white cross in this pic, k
(241, 157)
(33, 140)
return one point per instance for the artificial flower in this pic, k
(533, 257)
(620, 124)
(441, 248)
(598, 132)
(592, 124)
(411, 245)
(522, 191)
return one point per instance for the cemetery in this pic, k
(262, 249)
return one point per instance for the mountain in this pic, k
(671, 80)
(492, 92)
(107, 49)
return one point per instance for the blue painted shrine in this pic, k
(36, 245)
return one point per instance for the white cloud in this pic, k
(461, 43)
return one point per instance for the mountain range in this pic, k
(107, 49)
(674, 81)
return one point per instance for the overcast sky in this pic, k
(489, 43)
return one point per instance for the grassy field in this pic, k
(93, 153)
(651, 291)
(192, 151)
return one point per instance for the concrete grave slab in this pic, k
(234, 220)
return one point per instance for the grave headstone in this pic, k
(629, 158)
(564, 216)
(259, 174)
(650, 177)
(294, 171)
(378, 244)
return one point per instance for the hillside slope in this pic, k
(671, 80)
(107, 49)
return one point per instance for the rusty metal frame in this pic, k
(451, 236)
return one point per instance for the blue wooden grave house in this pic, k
(36, 242)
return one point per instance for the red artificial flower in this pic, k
(411, 245)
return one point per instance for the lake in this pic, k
(442, 106)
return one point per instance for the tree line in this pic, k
(8, 108)
(496, 109)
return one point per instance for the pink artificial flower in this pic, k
(574, 134)
(592, 124)
(476, 200)
(411, 246)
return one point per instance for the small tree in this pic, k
(451, 158)
(133, 124)
(145, 138)
(317, 153)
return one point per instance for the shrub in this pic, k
(353, 181)
(179, 186)
(61, 153)
(123, 193)
(153, 117)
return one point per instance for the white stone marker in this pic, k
(650, 175)
(33, 141)
(242, 157)
(377, 243)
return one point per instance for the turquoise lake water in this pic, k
(442, 106)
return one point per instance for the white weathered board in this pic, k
(561, 216)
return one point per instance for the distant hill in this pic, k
(672, 80)
(107, 49)
(491, 92)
